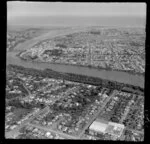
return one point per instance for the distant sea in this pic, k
(117, 21)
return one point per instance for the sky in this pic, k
(19, 9)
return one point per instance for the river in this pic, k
(119, 76)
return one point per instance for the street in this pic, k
(14, 132)
(97, 113)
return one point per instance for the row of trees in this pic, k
(17, 103)
(77, 78)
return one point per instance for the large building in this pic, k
(101, 126)
(115, 129)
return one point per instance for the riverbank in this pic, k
(76, 78)
(37, 60)
(118, 76)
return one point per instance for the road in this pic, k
(54, 131)
(28, 95)
(136, 131)
(111, 75)
(14, 132)
(126, 112)
(97, 113)
(119, 76)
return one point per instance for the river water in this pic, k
(122, 77)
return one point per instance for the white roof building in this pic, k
(48, 134)
(99, 126)
(115, 129)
